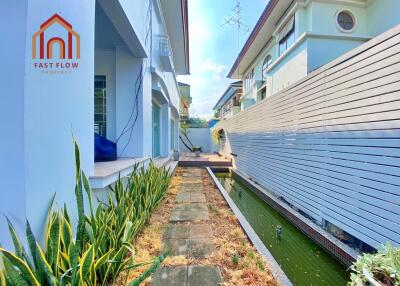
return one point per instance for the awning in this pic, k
(286, 29)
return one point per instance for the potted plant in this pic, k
(197, 151)
(378, 269)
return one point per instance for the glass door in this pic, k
(156, 130)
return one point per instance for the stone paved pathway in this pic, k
(189, 234)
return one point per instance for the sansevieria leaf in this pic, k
(86, 262)
(26, 272)
(2, 278)
(19, 249)
(43, 264)
(40, 272)
(13, 276)
(102, 260)
(54, 241)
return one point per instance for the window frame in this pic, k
(339, 26)
(266, 64)
(285, 41)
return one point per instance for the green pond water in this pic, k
(303, 261)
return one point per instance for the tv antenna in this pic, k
(235, 19)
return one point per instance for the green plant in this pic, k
(235, 259)
(216, 135)
(383, 266)
(194, 149)
(128, 209)
(251, 255)
(260, 265)
(102, 247)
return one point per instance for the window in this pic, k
(100, 105)
(286, 36)
(266, 65)
(346, 21)
(248, 80)
(286, 42)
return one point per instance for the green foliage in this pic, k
(383, 266)
(235, 259)
(194, 149)
(260, 265)
(216, 135)
(102, 247)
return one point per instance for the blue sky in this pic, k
(213, 49)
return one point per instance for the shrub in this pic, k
(102, 247)
(383, 266)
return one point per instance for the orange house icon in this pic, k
(48, 47)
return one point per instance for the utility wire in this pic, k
(130, 124)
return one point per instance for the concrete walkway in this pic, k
(189, 234)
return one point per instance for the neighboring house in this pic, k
(185, 101)
(293, 38)
(229, 103)
(75, 68)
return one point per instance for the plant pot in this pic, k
(197, 153)
(176, 155)
(370, 278)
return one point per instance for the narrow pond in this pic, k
(303, 261)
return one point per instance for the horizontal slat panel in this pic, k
(330, 144)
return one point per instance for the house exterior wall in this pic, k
(47, 108)
(12, 146)
(318, 40)
(49, 118)
(382, 15)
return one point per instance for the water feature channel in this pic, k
(304, 262)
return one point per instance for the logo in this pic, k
(56, 46)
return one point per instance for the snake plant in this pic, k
(103, 245)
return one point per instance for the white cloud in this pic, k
(207, 79)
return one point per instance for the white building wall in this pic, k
(12, 147)
(39, 111)
(200, 137)
(55, 107)
(324, 18)
(127, 72)
(382, 15)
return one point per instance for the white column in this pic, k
(128, 107)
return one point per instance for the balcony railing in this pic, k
(163, 49)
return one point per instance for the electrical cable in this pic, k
(138, 85)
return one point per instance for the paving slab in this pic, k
(177, 247)
(170, 276)
(190, 197)
(197, 197)
(200, 231)
(182, 215)
(200, 247)
(183, 197)
(174, 231)
(195, 207)
(191, 187)
(204, 276)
